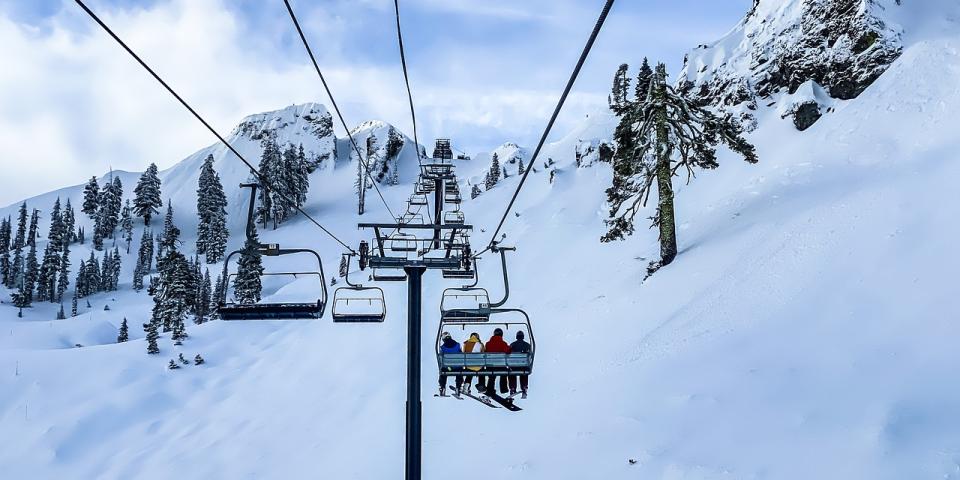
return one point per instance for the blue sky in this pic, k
(483, 72)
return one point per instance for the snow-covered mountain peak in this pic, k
(841, 45)
(307, 119)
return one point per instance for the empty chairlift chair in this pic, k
(452, 198)
(238, 310)
(453, 217)
(403, 243)
(465, 305)
(358, 304)
(418, 200)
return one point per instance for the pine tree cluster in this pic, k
(95, 276)
(285, 181)
(48, 278)
(492, 177)
(212, 212)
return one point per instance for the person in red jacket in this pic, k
(497, 345)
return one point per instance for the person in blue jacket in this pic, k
(519, 346)
(449, 345)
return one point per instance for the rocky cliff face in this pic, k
(842, 46)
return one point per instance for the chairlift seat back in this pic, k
(271, 311)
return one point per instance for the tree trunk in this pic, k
(668, 223)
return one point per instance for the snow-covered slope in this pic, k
(807, 329)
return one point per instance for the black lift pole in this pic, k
(438, 196)
(414, 432)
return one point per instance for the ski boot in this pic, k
(443, 392)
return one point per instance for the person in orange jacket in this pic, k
(497, 345)
(473, 345)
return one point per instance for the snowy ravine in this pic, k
(808, 328)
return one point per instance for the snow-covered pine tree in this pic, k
(173, 365)
(47, 275)
(151, 330)
(202, 310)
(16, 268)
(111, 202)
(31, 271)
(344, 268)
(395, 144)
(172, 290)
(33, 234)
(114, 270)
(20, 239)
(73, 304)
(81, 237)
(505, 174)
(97, 241)
(146, 200)
(63, 277)
(145, 253)
(170, 237)
(474, 192)
(137, 282)
(69, 223)
(285, 185)
(212, 212)
(182, 359)
(91, 198)
(520, 168)
(124, 334)
(619, 95)
(126, 224)
(61, 315)
(50, 265)
(80, 288)
(5, 243)
(666, 133)
(93, 279)
(246, 285)
(493, 175)
(198, 360)
(218, 294)
(193, 284)
(301, 178)
(56, 234)
(270, 161)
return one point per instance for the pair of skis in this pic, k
(490, 399)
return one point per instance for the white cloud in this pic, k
(73, 104)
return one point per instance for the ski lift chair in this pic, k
(465, 305)
(488, 363)
(452, 198)
(459, 274)
(389, 275)
(418, 200)
(355, 303)
(402, 242)
(453, 217)
(412, 219)
(234, 310)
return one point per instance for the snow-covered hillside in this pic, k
(806, 330)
